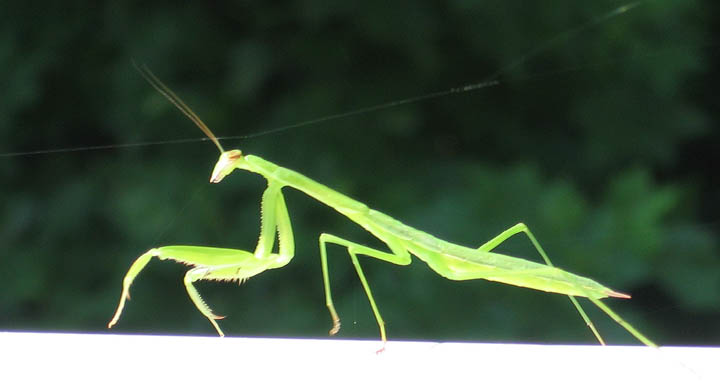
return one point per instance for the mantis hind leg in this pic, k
(522, 228)
(399, 256)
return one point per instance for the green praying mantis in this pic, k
(450, 260)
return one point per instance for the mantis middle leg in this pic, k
(399, 256)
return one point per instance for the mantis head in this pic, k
(227, 162)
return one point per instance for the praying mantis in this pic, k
(449, 260)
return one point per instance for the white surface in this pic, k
(43, 361)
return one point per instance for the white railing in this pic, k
(102, 362)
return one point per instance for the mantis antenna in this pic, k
(164, 90)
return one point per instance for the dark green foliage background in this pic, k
(602, 139)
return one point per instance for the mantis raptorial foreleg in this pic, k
(522, 228)
(274, 218)
(400, 256)
(210, 264)
(202, 273)
(225, 264)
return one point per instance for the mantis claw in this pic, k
(217, 328)
(336, 327)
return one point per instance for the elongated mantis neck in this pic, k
(231, 160)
